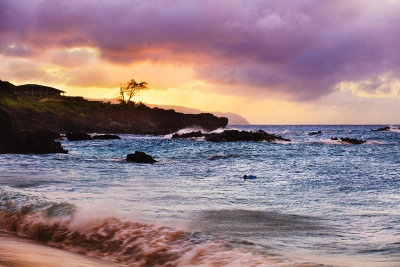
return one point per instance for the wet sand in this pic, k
(20, 252)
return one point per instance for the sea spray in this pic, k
(120, 240)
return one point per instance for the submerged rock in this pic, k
(140, 157)
(315, 133)
(78, 136)
(106, 137)
(387, 128)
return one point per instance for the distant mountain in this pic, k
(234, 119)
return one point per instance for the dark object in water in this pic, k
(249, 177)
(213, 157)
(188, 135)
(234, 136)
(26, 142)
(105, 137)
(78, 136)
(352, 141)
(315, 133)
(387, 128)
(140, 157)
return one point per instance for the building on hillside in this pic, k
(37, 90)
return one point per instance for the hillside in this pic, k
(233, 118)
(67, 114)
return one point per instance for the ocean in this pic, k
(314, 201)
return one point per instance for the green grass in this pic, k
(53, 105)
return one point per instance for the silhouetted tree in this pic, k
(130, 89)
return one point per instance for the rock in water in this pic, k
(106, 136)
(315, 133)
(78, 136)
(234, 136)
(352, 141)
(140, 157)
(387, 128)
(37, 142)
(188, 135)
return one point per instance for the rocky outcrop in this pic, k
(352, 141)
(234, 136)
(78, 136)
(188, 135)
(105, 137)
(37, 142)
(315, 133)
(85, 136)
(140, 157)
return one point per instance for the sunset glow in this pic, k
(273, 62)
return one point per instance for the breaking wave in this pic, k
(64, 226)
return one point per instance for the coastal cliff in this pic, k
(74, 114)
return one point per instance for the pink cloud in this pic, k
(298, 48)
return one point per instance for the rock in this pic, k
(352, 141)
(315, 133)
(188, 135)
(383, 129)
(140, 157)
(78, 136)
(106, 136)
(334, 138)
(235, 135)
(32, 142)
(37, 142)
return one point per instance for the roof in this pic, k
(37, 86)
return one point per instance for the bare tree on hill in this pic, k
(130, 89)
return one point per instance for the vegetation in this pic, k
(130, 89)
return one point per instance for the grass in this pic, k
(53, 105)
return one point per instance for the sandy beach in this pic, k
(20, 252)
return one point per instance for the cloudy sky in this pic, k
(273, 62)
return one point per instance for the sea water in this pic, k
(315, 200)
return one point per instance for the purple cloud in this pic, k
(298, 48)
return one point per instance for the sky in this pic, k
(273, 62)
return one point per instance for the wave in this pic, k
(63, 226)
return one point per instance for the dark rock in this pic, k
(78, 136)
(334, 138)
(352, 141)
(38, 142)
(106, 136)
(235, 135)
(140, 157)
(188, 135)
(383, 129)
(315, 133)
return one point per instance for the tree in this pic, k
(130, 89)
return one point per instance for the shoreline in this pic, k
(18, 251)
